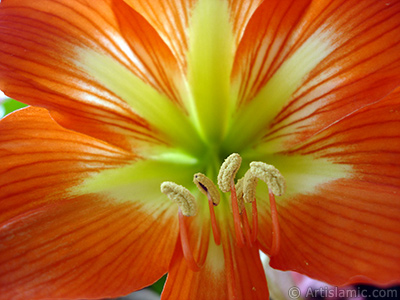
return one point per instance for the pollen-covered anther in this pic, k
(207, 187)
(228, 171)
(182, 196)
(270, 175)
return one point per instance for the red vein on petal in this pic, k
(340, 243)
(84, 238)
(359, 209)
(124, 258)
(300, 229)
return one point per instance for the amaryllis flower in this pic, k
(130, 96)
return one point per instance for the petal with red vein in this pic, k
(265, 44)
(340, 57)
(39, 53)
(228, 273)
(241, 13)
(172, 19)
(348, 230)
(40, 157)
(54, 244)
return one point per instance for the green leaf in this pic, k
(159, 285)
(10, 105)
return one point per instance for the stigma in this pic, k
(242, 199)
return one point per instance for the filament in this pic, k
(275, 226)
(187, 252)
(236, 216)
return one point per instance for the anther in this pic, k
(180, 195)
(208, 188)
(270, 175)
(228, 171)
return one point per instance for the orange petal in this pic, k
(348, 230)
(40, 156)
(55, 244)
(265, 43)
(241, 13)
(171, 19)
(228, 273)
(40, 44)
(311, 65)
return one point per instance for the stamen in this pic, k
(276, 186)
(226, 183)
(207, 187)
(182, 196)
(187, 207)
(236, 216)
(244, 191)
(270, 175)
(228, 171)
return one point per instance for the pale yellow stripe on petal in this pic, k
(303, 173)
(251, 120)
(210, 61)
(170, 121)
(139, 182)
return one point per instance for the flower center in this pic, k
(244, 191)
